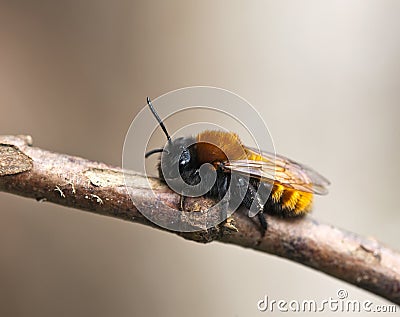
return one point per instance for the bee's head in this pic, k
(178, 156)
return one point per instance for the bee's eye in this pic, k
(184, 158)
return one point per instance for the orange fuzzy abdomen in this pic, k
(292, 202)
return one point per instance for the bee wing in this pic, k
(279, 169)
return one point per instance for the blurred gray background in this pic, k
(324, 75)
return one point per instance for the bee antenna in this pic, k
(159, 121)
(153, 152)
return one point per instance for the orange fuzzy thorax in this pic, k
(219, 146)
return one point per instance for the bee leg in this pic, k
(224, 196)
(224, 208)
(182, 203)
(263, 222)
(252, 197)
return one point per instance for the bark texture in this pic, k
(96, 187)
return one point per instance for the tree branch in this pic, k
(97, 187)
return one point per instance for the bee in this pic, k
(290, 186)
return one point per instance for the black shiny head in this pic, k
(178, 156)
(179, 159)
